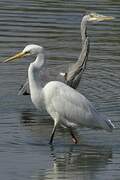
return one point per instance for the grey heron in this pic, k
(74, 73)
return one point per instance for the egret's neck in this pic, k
(34, 74)
(40, 61)
(84, 29)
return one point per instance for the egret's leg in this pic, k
(53, 133)
(74, 139)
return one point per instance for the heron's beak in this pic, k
(104, 18)
(16, 56)
(99, 17)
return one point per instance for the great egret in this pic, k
(65, 105)
(73, 76)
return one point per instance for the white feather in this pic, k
(72, 106)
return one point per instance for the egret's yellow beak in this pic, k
(16, 56)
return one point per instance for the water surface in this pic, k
(24, 132)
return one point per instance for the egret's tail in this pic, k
(103, 122)
(110, 125)
(106, 123)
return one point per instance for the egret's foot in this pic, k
(50, 143)
(53, 133)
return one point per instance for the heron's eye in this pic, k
(92, 15)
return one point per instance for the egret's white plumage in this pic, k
(65, 105)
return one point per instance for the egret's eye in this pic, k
(27, 52)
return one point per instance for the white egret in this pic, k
(74, 73)
(65, 105)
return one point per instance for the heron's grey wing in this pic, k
(24, 90)
(74, 74)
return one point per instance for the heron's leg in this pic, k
(53, 133)
(74, 139)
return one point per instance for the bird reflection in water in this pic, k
(68, 161)
(77, 162)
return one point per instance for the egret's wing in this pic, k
(71, 105)
(76, 108)
(24, 89)
(74, 74)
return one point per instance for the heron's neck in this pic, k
(34, 74)
(84, 29)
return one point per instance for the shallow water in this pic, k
(24, 132)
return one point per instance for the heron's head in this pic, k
(98, 17)
(31, 49)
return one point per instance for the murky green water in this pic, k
(24, 132)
